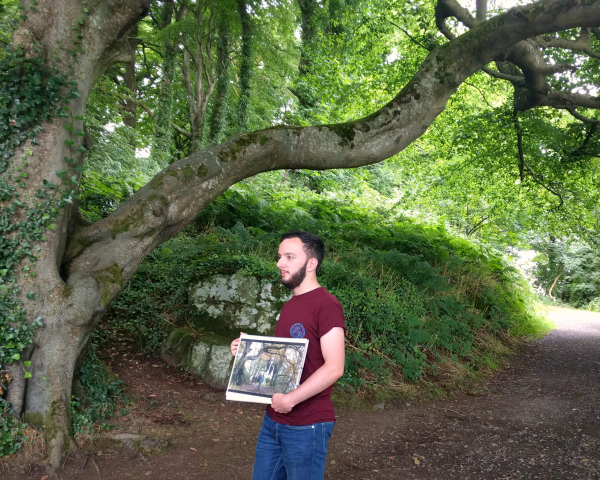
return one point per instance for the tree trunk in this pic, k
(219, 113)
(245, 66)
(68, 308)
(199, 46)
(163, 133)
(130, 118)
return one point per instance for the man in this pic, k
(292, 443)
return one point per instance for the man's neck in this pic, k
(306, 286)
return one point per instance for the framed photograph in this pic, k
(264, 366)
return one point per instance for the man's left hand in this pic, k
(281, 403)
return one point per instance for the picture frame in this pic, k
(264, 366)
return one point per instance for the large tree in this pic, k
(71, 271)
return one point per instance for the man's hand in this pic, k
(281, 403)
(234, 345)
(332, 346)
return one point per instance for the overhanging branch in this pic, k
(178, 193)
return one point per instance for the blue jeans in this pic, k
(290, 452)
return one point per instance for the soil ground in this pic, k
(538, 418)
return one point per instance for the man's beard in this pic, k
(296, 279)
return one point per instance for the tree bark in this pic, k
(68, 307)
(130, 117)
(245, 66)
(163, 134)
(220, 108)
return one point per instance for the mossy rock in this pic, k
(178, 348)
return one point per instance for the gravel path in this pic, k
(539, 419)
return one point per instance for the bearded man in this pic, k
(292, 443)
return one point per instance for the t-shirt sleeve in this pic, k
(330, 316)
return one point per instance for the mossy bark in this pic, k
(68, 305)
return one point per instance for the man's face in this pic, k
(292, 262)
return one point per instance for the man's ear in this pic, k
(312, 265)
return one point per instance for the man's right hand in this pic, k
(234, 345)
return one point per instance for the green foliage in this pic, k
(98, 397)
(574, 266)
(11, 430)
(29, 95)
(156, 297)
(415, 296)
(100, 195)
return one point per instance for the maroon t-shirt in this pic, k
(310, 315)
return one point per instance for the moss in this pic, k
(120, 226)
(157, 181)
(68, 290)
(345, 131)
(295, 130)
(34, 418)
(202, 171)
(179, 345)
(106, 278)
(187, 171)
(77, 243)
(57, 416)
(229, 152)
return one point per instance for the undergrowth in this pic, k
(97, 396)
(418, 299)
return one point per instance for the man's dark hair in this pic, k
(313, 246)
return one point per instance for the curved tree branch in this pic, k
(533, 88)
(503, 76)
(581, 44)
(581, 117)
(178, 193)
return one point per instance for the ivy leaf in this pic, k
(51, 226)
(69, 143)
(60, 173)
(27, 375)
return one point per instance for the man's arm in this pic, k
(332, 346)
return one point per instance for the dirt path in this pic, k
(537, 419)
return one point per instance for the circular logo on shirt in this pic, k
(297, 331)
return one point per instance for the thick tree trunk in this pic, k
(68, 309)
(82, 268)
